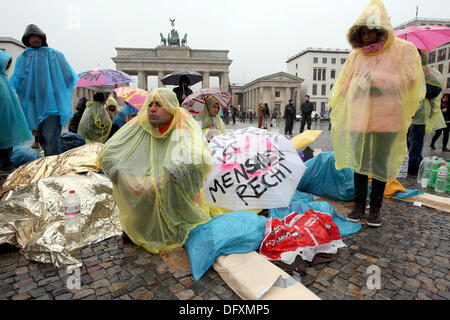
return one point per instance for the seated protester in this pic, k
(95, 124)
(210, 120)
(75, 121)
(120, 118)
(157, 163)
(13, 124)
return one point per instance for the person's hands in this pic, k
(444, 110)
(34, 132)
(183, 96)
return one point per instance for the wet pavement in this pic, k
(411, 251)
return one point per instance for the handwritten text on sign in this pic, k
(255, 173)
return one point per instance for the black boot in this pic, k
(357, 213)
(374, 219)
(432, 146)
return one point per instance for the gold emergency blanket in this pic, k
(374, 98)
(157, 176)
(77, 160)
(32, 217)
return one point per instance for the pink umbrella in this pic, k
(102, 77)
(425, 37)
(133, 96)
(195, 102)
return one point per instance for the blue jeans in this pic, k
(49, 132)
(416, 134)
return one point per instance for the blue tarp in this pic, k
(70, 140)
(233, 232)
(322, 179)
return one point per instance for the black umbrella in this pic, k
(174, 78)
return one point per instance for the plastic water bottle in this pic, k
(437, 163)
(441, 179)
(72, 216)
(404, 168)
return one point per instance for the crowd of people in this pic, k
(383, 103)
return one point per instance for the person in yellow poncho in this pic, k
(95, 124)
(372, 103)
(210, 120)
(427, 118)
(157, 163)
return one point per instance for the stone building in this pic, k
(320, 69)
(274, 89)
(163, 60)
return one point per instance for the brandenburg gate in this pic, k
(171, 56)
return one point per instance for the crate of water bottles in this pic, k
(433, 174)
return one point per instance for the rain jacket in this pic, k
(44, 82)
(75, 121)
(13, 125)
(157, 175)
(112, 102)
(95, 124)
(207, 121)
(429, 112)
(374, 99)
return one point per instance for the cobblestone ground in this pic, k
(411, 250)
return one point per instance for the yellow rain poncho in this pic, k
(207, 121)
(374, 99)
(429, 112)
(95, 124)
(112, 102)
(157, 175)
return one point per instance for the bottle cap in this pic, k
(72, 191)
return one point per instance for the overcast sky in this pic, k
(259, 34)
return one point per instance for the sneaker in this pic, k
(374, 219)
(445, 150)
(357, 213)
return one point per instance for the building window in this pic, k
(277, 94)
(316, 60)
(324, 60)
(333, 74)
(314, 90)
(441, 54)
(323, 106)
(314, 106)
(296, 74)
(441, 68)
(324, 89)
(319, 74)
(448, 83)
(343, 60)
(432, 57)
(296, 66)
(333, 60)
(331, 87)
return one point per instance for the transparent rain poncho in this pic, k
(432, 117)
(44, 82)
(95, 124)
(374, 99)
(13, 125)
(157, 175)
(206, 120)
